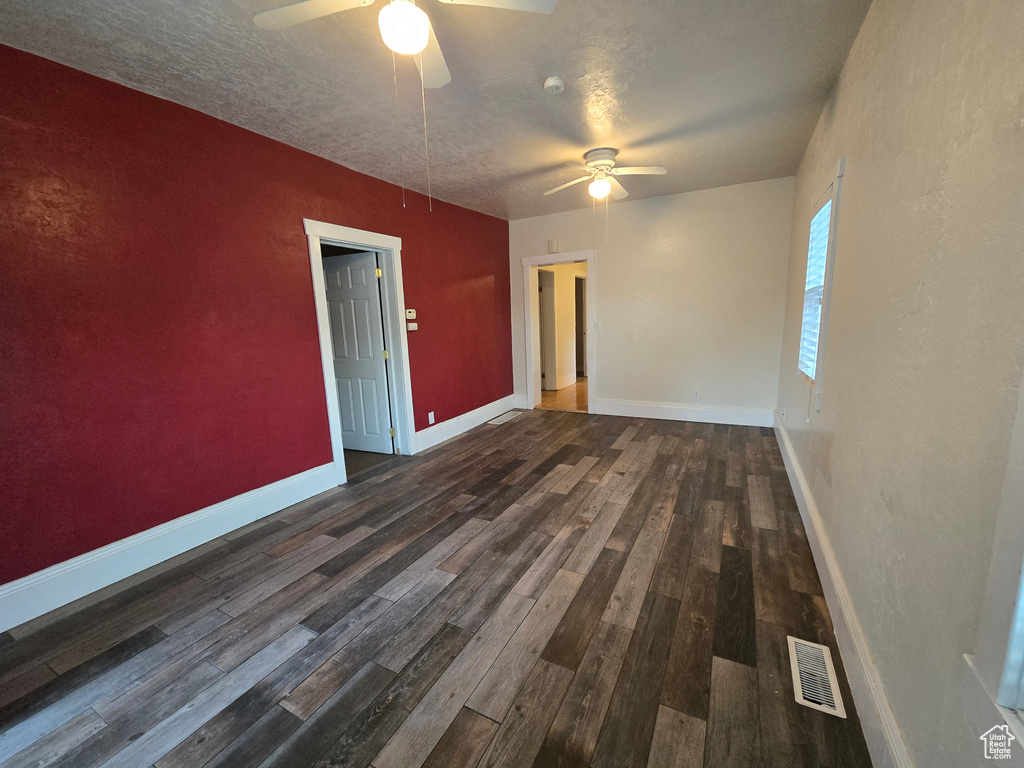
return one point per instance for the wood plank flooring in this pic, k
(360, 461)
(559, 590)
(570, 398)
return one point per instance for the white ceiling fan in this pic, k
(601, 173)
(404, 27)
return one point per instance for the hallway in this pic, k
(571, 398)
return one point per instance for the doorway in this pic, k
(561, 335)
(355, 306)
(364, 348)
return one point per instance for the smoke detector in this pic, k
(554, 85)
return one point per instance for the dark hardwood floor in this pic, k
(357, 462)
(559, 590)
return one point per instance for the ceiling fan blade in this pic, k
(640, 170)
(431, 64)
(618, 191)
(296, 13)
(574, 181)
(536, 6)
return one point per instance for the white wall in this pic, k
(690, 291)
(905, 462)
(548, 315)
(565, 320)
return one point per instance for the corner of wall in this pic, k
(425, 439)
(881, 730)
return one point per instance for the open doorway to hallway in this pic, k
(562, 327)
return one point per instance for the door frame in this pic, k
(586, 332)
(396, 339)
(549, 259)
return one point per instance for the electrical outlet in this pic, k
(430, 418)
(696, 394)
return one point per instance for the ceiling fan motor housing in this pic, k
(601, 159)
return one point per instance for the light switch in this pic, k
(412, 326)
(410, 314)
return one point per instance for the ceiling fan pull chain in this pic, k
(606, 219)
(593, 219)
(426, 146)
(398, 126)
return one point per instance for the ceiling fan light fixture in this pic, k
(599, 188)
(404, 28)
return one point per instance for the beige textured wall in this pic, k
(565, 320)
(906, 458)
(690, 292)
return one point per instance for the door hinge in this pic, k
(386, 355)
(377, 272)
(391, 431)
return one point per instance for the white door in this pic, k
(360, 366)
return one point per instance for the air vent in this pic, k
(814, 677)
(507, 416)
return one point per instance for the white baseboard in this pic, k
(446, 430)
(520, 402)
(60, 584)
(707, 414)
(882, 732)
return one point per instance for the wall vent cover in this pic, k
(507, 416)
(814, 677)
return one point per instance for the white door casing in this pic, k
(530, 303)
(389, 254)
(357, 337)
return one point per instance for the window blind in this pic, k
(814, 289)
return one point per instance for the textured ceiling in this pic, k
(718, 91)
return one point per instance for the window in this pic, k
(993, 689)
(814, 289)
(821, 250)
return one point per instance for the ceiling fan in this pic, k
(601, 173)
(404, 26)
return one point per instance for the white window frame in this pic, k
(833, 193)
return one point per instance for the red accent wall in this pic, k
(158, 343)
